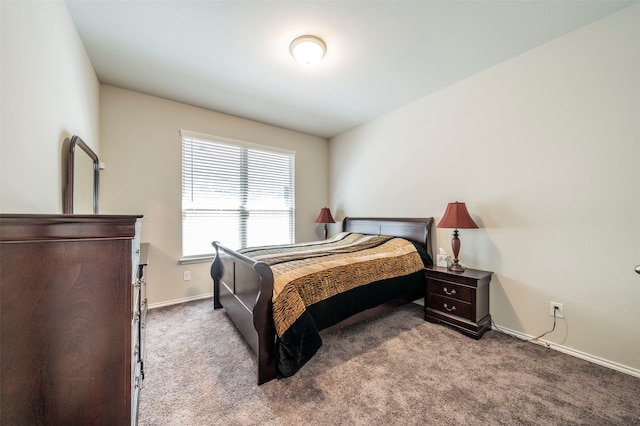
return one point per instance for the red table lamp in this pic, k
(456, 216)
(325, 217)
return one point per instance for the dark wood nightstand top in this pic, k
(440, 271)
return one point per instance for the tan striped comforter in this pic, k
(311, 272)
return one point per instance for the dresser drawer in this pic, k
(451, 306)
(454, 291)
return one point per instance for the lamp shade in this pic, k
(325, 216)
(456, 216)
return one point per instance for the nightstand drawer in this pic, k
(454, 291)
(458, 299)
(451, 306)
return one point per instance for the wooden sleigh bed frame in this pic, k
(244, 287)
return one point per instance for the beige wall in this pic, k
(545, 151)
(141, 148)
(49, 93)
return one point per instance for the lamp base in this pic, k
(456, 267)
(455, 246)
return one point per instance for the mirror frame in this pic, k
(68, 193)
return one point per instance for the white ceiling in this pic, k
(232, 56)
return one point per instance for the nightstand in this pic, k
(460, 300)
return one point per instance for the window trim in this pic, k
(196, 135)
(187, 260)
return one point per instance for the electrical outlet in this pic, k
(186, 275)
(558, 307)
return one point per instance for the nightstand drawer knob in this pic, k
(449, 293)
(453, 308)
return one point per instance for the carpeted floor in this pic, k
(395, 369)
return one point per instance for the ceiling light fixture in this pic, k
(308, 50)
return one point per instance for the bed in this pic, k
(244, 287)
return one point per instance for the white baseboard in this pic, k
(181, 300)
(578, 354)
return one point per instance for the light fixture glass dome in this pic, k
(308, 50)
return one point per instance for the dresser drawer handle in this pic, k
(453, 308)
(449, 293)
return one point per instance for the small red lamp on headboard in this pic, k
(325, 217)
(456, 216)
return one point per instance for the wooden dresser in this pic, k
(71, 305)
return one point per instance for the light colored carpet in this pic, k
(394, 369)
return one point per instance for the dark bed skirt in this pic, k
(302, 340)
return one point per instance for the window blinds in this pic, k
(236, 193)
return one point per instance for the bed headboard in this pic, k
(414, 229)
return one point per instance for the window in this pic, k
(237, 193)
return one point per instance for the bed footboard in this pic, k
(244, 288)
